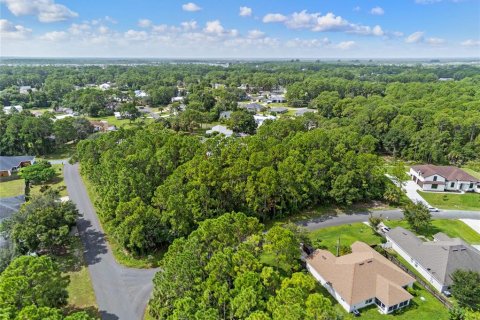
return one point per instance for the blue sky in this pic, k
(242, 29)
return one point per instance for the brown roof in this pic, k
(448, 172)
(362, 275)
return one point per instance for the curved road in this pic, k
(396, 214)
(122, 293)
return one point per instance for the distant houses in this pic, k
(435, 260)
(302, 111)
(259, 119)
(443, 178)
(177, 99)
(253, 107)
(279, 110)
(361, 278)
(140, 94)
(10, 164)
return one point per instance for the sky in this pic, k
(240, 29)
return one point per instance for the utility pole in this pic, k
(338, 246)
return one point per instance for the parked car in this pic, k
(433, 209)
(447, 293)
(385, 229)
(356, 313)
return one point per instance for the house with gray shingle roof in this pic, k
(9, 164)
(435, 260)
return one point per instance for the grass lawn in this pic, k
(467, 201)
(121, 122)
(12, 186)
(57, 183)
(429, 308)
(452, 228)
(327, 238)
(80, 289)
(121, 255)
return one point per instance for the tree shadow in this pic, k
(94, 242)
(104, 315)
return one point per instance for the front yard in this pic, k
(12, 186)
(455, 201)
(452, 228)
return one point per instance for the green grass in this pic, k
(467, 201)
(452, 228)
(57, 183)
(327, 238)
(81, 295)
(472, 172)
(62, 152)
(121, 255)
(125, 123)
(12, 186)
(431, 308)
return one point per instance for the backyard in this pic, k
(11, 186)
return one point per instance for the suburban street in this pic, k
(121, 293)
(396, 214)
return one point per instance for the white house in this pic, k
(443, 178)
(140, 94)
(435, 260)
(259, 119)
(361, 278)
(8, 109)
(105, 86)
(220, 129)
(26, 89)
(177, 99)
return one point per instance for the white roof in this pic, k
(221, 129)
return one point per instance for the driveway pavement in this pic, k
(411, 188)
(121, 293)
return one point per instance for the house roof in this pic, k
(279, 109)
(362, 275)
(221, 129)
(448, 172)
(8, 162)
(440, 257)
(302, 111)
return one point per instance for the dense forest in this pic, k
(157, 185)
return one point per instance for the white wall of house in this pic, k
(329, 288)
(429, 187)
(424, 272)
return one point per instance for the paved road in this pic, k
(122, 293)
(337, 220)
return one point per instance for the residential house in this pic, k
(8, 109)
(26, 89)
(225, 115)
(277, 99)
(10, 164)
(443, 178)
(252, 107)
(105, 86)
(220, 129)
(140, 94)
(301, 111)
(435, 260)
(280, 110)
(361, 278)
(177, 99)
(102, 126)
(259, 119)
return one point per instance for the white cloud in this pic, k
(76, 28)
(256, 34)
(192, 7)
(189, 25)
(55, 36)
(308, 43)
(318, 23)
(135, 35)
(345, 45)
(435, 41)
(11, 31)
(274, 17)
(415, 37)
(144, 23)
(377, 11)
(356, 9)
(214, 27)
(470, 43)
(103, 30)
(245, 12)
(44, 10)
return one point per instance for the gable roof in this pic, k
(448, 172)
(440, 257)
(362, 275)
(8, 162)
